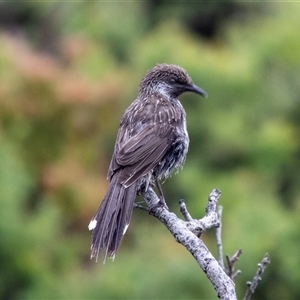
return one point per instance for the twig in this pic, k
(261, 268)
(185, 233)
(137, 205)
(184, 211)
(230, 262)
(218, 234)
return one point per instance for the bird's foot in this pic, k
(159, 205)
(162, 202)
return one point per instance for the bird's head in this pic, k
(170, 81)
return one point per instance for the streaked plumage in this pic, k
(152, 142)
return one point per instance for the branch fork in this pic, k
(187, 232)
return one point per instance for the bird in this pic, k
(152, 142)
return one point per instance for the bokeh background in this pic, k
(67, 72)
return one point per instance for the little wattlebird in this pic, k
(152, 142)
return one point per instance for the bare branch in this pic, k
(218, 235)
(261, 268)
(184, 211)
(139, 206)
(236, 273)
(186, 232)
(231, 261)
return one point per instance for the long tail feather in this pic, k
(112, 218)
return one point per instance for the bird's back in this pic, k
(152, 138)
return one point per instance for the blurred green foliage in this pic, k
(66, 77)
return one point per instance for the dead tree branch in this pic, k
(230, 260)
(261, 268)
(218, 235)
(187, 233)
(230, 263)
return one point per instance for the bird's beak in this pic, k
(196, 89)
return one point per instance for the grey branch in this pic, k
(218, 234)
(187, 232)
(184, 211)
(139, 206)
(231, 261)
(261, 268)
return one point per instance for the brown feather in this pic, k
(151, 143)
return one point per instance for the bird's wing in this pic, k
(146, 133)
(142, 152)
(140, 145)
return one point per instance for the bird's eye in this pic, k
(172, 80)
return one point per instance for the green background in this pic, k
(67, 72)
